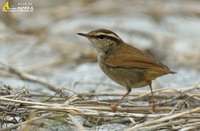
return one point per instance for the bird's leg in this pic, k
(154, 105)
(116, 104)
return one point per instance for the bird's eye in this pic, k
(101, 36)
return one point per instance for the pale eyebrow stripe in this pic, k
(109, 35)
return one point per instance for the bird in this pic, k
(125, 64)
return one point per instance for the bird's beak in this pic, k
(82, 34)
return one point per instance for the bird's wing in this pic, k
(128, 60)
(130, 57)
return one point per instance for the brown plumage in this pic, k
(125, 64)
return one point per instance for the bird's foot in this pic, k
(114, 108)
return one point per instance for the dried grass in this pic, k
(180, 108)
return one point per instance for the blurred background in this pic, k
(41, 51)
(44, 43)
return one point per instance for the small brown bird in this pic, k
(123, 63)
